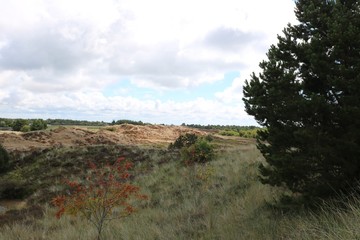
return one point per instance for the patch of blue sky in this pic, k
(206, 91)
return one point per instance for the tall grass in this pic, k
(229, 204)
(330, 221)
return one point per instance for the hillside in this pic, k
(219, 200)
(125, 134)
(42, 159)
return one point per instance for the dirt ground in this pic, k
(81, 136)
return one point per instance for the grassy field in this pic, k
(229, 203)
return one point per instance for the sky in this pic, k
(158, 61)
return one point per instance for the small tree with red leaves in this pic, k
(104, 190)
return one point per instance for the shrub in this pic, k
(25, 128)
(252, 133)
(209, 138)
(199, 152)
(229, 133)
(96, 197)
(111, 129)
(184, 141)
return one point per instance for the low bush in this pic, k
(194, 149)
(25, 128)
(184, 141)
(252, 133)
(229, 133)
(199, 152)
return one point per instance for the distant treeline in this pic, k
(124, 121)
(92, 123)
(75, 122)
(39, 124)
(8, 122)
(23, 125)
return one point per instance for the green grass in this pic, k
(229, 204)
(246, 133)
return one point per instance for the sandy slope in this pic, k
(77, 136)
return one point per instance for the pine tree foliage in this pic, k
(308, 98)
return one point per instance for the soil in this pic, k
(126, 134)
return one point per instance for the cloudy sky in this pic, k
(158, 61)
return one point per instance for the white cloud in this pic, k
(69, 51)
(233, 93)
(93, 103)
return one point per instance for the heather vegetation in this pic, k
(222, 199)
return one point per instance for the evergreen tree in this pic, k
(308, 98)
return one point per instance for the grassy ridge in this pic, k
(229, 204)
